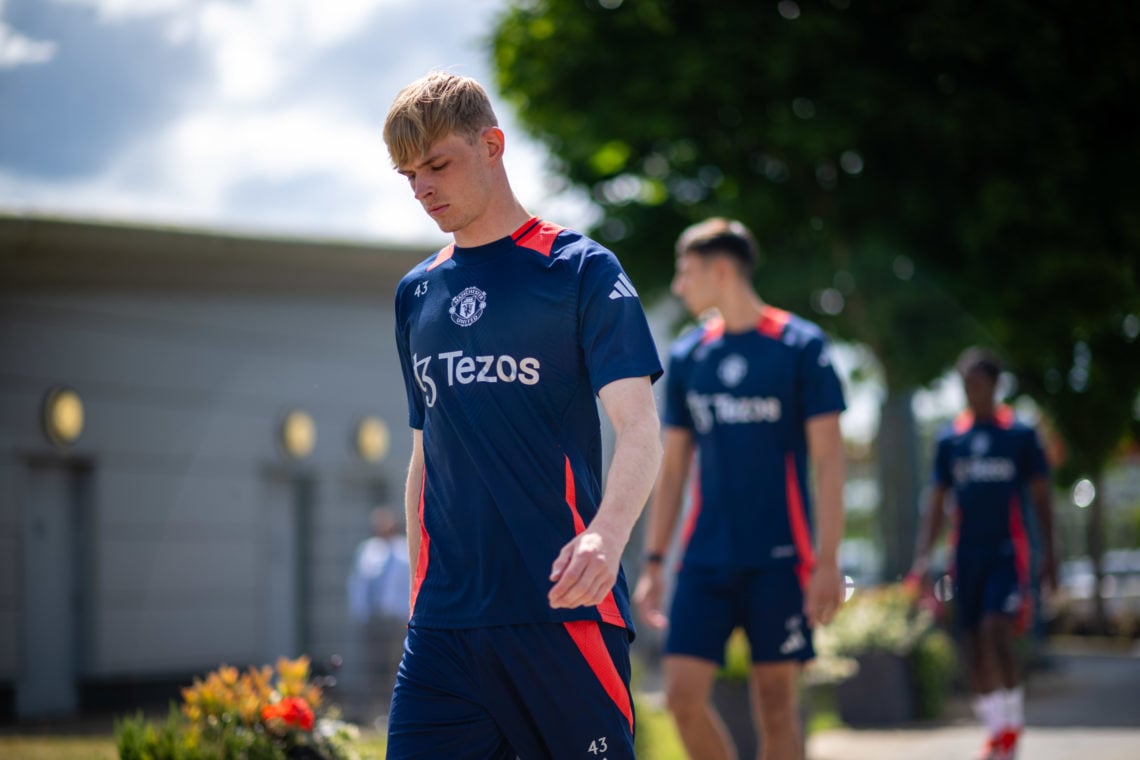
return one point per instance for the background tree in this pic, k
(920, 176)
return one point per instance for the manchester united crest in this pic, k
(467, 307)
(732, 370)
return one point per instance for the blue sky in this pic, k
(255, 115)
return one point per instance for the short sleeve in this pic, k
(613, 332)
(676, 412)
(821, 389)
(412, 388)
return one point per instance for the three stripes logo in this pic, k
(623, 288)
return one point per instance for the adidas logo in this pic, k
(623, 288)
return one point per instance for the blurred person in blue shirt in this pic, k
(378, 592)
(990, 462)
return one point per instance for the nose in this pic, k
(422, 187)
(676, 287)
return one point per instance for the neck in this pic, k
(740, 308)
(984, 413)
(502, 216)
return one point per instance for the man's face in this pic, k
(980, 389)
(452, 180)
(695, 282)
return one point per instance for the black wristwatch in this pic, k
(654, 558)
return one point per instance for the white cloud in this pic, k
(119, 10)
(19, 50)
(253, 46)
(252, 150)
(190, 173)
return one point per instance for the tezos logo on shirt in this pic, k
(468, 306)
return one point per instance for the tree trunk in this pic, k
(897, 454)
(1094, 537)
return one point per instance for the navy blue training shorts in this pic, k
(709, 603)
(988, 584)
(547, 690)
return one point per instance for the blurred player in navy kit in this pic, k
(990, 461)
(752, 394)
(518, 643)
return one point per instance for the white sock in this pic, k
(990, 709)
(1014, 701)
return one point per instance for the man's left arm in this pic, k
(825, 447)
(587, 567)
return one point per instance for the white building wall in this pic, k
(183, 395)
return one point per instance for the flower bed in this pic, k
(262, 714)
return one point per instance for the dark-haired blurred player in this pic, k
(753, 394)
(990, 462)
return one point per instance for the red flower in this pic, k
(293, 711)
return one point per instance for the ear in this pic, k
(493, 141)
(724, 269)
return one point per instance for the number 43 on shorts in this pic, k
(598, 746)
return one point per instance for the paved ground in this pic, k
(1084, 706)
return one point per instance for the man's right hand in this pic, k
(647, 595)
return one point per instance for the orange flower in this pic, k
(228, 674)
(292, 711)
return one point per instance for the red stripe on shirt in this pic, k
(588, 638)
(1020, 538)
(694, 505)
(1003, 418)
(443, 255)
(713, 329)
(537, 235)
(425, 541)
(608, 608)
(797, 518)
(772, 322)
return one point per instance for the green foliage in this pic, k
(737, 657)
(921, 176)
(891, 619)
(883, 619)
(934, 661)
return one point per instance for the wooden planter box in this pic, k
(731, 700)
(881, 693)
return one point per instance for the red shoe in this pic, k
(1007, 743)
(991, 750)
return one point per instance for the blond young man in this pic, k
(518, 643)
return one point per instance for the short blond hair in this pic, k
(432, 108)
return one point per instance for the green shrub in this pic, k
(737, 657)
(934, 661)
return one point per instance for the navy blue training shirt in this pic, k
(988, 464)
(746, 398)
(504, 348)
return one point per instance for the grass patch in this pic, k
(59, 747)
(657, 737)
(36, 747)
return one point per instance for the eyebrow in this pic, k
(429, 160)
